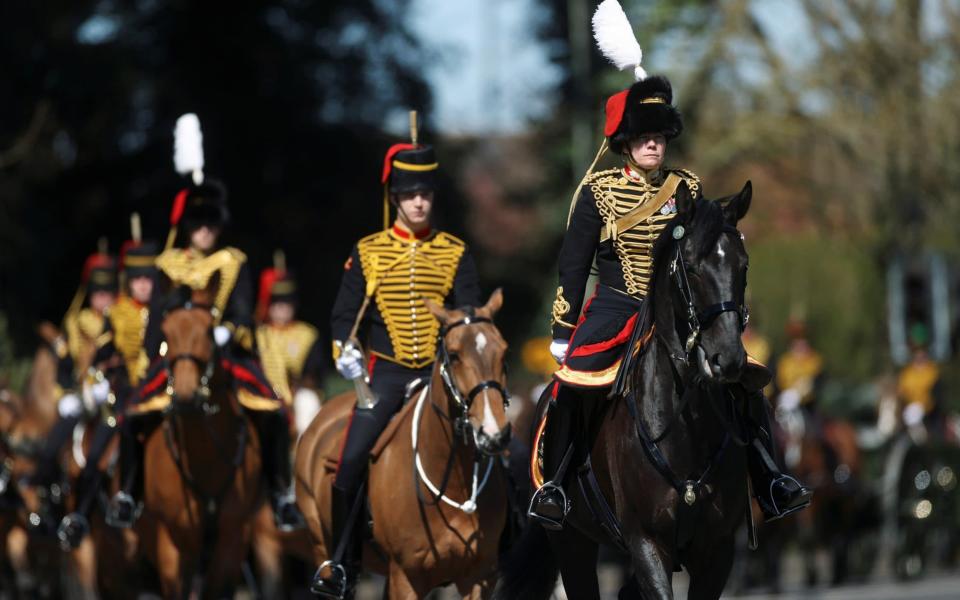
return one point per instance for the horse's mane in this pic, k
(703, 225)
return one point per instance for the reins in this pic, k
(696, 321)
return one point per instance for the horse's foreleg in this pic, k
(169, 564)
(577, 556)
(652, 571)
(709, 570)
(480, 590)
(399, 586)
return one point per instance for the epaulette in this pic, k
(692, 180)
(184, 269)
(598, 175)
(446, 239)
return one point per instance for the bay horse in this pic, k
(670, 486)
(202, 483)
(437, 491)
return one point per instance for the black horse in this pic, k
(669, 479)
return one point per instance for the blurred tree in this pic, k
(292, 97)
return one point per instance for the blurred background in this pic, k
(845, 115)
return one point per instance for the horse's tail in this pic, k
(529, 569)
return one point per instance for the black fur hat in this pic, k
(204, 204)
(648, 108)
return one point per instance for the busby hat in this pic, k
(99, 273)
(202, 201)
(137, 259)
(276, 285)
(408, 168)
(644, 108)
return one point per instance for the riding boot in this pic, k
(76, 525)
(549, 505)
(48, 465)
(777, 493)
(275, 455)
(124, 507)
(337, 577)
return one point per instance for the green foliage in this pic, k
(13, 371)
(836, 285)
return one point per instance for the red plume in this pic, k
(178, 205)
(267, 278)
(616, 104)
(388, 160)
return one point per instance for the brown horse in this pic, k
(825, 453)
(201, 467)
(460, 424)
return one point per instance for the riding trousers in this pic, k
(388, 380)
(600, 339)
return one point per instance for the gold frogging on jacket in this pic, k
(192, 269)
(408, 271)
(128, 320)
(283, 352)
(616, 195)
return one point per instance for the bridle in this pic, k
(698, 321)
(689, 489)
(463, 403)
(460, 422)
(200, 401)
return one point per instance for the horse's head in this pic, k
(471, 362)
(706, 262)
(189, 358)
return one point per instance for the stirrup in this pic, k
(800, 502)
(73, 528)
(333, 588)
(113, 517)
(548, 522)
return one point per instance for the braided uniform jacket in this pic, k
(402, 271)
(624, 261)
(128, 321)
(287, 354)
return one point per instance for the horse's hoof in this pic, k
(73, 528)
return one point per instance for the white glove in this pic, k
(558, 348)
(100, 391)
(221, 335)
(789, 400)
(350, 363)
(70, 405)
(913, 414)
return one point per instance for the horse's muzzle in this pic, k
(492, 445)
(720, 367)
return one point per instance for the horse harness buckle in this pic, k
(690, 496)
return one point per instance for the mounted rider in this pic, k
(380, 312)
(85, 329)
(193, 258)
(614, 221)
(292, 354)
(120, 365)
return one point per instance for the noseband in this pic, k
(461, 422)
(698, 321)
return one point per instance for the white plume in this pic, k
(616, 39)
(188, 147)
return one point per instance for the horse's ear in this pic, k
(737, 207)
(684, 199)
(493, 304)
(438, 311)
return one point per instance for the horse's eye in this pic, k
(454, 357)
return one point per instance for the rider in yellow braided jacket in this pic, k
(617, 218)
(199, 215)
